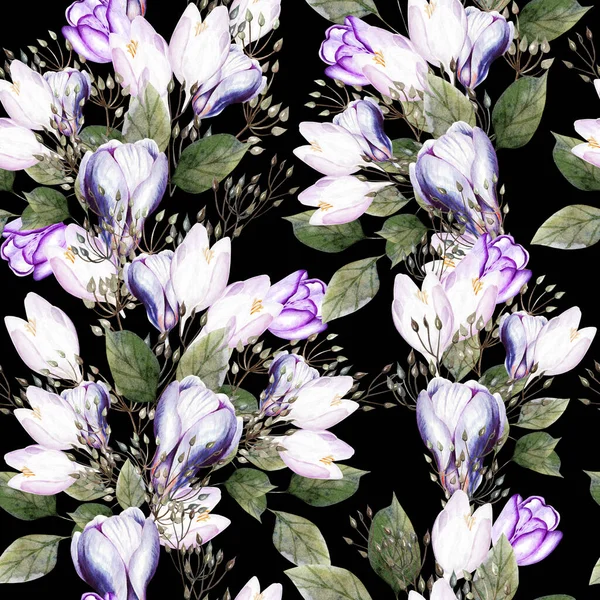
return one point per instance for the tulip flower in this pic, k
(301, 299)
(19, 147)
(123, 184)
(194, 428)
(460, 423)
(360, 54)
(457, 173)
(489, 36)
(71, 89)
(364, 120)
(438, 29)
(245, 309)
(117, 556)
(198, 49)
(441, 590)
(264, 16)
(240, 79)
(92, 21)
(518, 332)
(26, 251)
(461, 539)
(43, 471)
(86, 268)
(251, 591)
(313, 454)
(530, 526)
(287, 374)
(339, 200)
(47, 342)
(192, 518)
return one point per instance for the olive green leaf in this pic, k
(594, 485)
(535, 451)
(403, 233)
(95, 136)
(498, 577)
(338, 10)
(548, 19)
(299, 540)
(324, 582)
(87, 512)
(541, 412)
(461, 358)
(245, 403)
(22, 505)
(578, 172)
(148, 118)
(7, 179)
(29, 558)
(248, 487)
(595, 577)
(46, 207)
(131, 491)
(571, 228)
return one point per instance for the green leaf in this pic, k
(338, 10)
(535, 451)
(595, 577)
(4, 217)
(95, 136)
(405, 558)
(46, 207)
(324, 582)
(87, 512)
(414, 113)
(578, 172)
(405, 152)
(386, 202)
(444, 105)
(248, 487)
(519, 110)
(461, 358)
(299, 540)
(267, 460)
(557, 597)
(131, 491)
(209, 159)
(134, 367)
(148, 118)
(22, 505)
(7, 180)
(350, 288)
(595, 484)
(497, 381)
(47, 172)
(245, 403)
(541, 412)
(326, 492)
(207, 358)
(29, 558)
(86, 490)
(498, 577)
(403, 233)
(326, 238)
(571, 228)
(548, 19)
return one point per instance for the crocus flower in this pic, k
(333, 150)
(123, 184)
(75, 418)
(530, 526)
(489, 35)
(313, 454)
(339, 200)
(198, 49)
(461, 539)
(301, 299)
(438, 29)
(86, 268)
(518, 332)
(589, 129)
(245, 309)
(264, 13)
(364, 120)
(141, 56)
(287, 374)
(360, 54)
(194, 428)
(71, 90)
(460, 423)
(251, 591)
(43, 471)
(19, 147)
(92, 21)
(26, 250)
(441, 590)
(117, 556)
(457, 173)
(47, 342)
(240, 79)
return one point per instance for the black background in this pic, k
(387, 442)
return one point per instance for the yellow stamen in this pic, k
(200, 27)
(470, 520)
(37, 413)
(315, 146)
(27, 472)
(257, 306)
(327, 460)
(477, 285)
(337, 400)
(132, 47)
(448, 262)
(429, 9)
(379, 59)
(16, 88)
(422, 296)
(593, 143)
(574, 335)
(31, 326)
(325, 205)
(203, 516)
(257, 596)
(209, 255)
(69, 255)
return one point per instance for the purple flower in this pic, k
(240, 79)
(302, 299)
(518, 333)
(117, 556)
(71, 89)
(91, 402)
(457, 173)
(92, 21)
(25, 250)
(194, 428)
(488, 37)
(148, 278)
(364, 120)
(460, 423)
(530, 526)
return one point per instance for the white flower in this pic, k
(19, 147)
(441, 590)
(251, 591)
